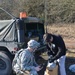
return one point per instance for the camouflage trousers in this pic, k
(25, 73)
(19, 72)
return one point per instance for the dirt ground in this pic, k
(67, 31)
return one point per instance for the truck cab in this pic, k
(14, 35)
(30, 28)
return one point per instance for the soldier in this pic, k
(27, 62)
(56, 48)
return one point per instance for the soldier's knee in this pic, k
(33, 73)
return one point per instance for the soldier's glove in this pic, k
(51, 60)
(20, 73)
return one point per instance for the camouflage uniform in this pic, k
(27, 63)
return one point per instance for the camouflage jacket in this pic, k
(27, 60)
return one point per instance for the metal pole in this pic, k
(45, 12)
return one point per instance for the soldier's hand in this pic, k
(38, 68)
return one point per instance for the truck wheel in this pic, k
(5, 64)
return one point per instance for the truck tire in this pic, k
(5, 64)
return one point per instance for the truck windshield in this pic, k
(33, 29)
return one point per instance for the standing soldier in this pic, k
(56, 48)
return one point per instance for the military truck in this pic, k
(14, 35)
